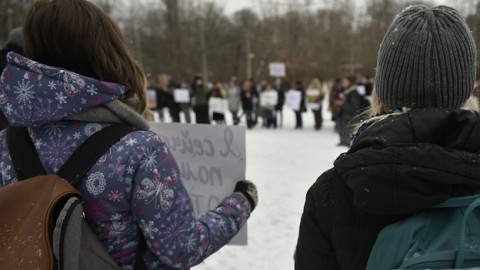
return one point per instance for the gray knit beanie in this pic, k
(427, 59)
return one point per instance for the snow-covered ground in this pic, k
(283, 163)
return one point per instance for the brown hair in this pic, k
(80, 37)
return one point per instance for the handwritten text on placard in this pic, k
(211, 159)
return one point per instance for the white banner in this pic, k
(218, 105)
(361, 90)
(293, 99)
(313, 98)
(181, 95)
(277, 69)
(268, 98)
(211, 159)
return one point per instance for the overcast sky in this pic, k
(231, 6)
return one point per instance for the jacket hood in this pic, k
(33, 94)
(407, 162)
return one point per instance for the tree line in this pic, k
(188, 37)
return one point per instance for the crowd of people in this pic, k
(261, 104)
(415, 146)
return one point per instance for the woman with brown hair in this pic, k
(80, 78)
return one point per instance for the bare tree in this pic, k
(336, 39)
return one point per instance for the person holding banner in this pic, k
(173, 105)
(352, 105)
(234, 100)
(133, 196)
(218, 92)
(161, 92)
(268, 101)
(248, 95)
(280, 87)
(200, 96)
(315, 94)
(182, 97)
(298, 113)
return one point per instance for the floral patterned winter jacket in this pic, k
(134, 188)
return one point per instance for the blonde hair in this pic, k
(315, 84)
(377, 107)
(80, 37)
(162, 80)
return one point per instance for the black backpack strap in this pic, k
(22, 151)
(27, 164)
(87, 154)
(142, 248)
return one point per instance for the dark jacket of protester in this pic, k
(14, 44)
(352, 105)
(10, 47)
(389, 173)
(200, 96)
(247, 96)
(401, 160)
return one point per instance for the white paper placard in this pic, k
(313, 96)
(218, 105)
(313, 93)
(293, 99)
(277, 69)
(361, 90)
(181, 95)
(268, 98)
(211, 159)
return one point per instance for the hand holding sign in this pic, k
(211, 160)
(249, 190)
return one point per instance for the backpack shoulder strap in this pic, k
(87, 154)
(22, 151)
(27, 163)
(457, 201)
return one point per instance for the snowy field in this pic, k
(283, 163)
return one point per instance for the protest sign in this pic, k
(361, 90)
(152, 99)
(181, 95)
(277, 69)
(218, 105)
(268, 98)
(211, 160)
(293, 99)
(313, 98)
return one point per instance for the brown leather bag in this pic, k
(26, 208)
(41, 216)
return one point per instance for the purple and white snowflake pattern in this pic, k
(134, 188)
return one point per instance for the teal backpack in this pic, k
(445, 236)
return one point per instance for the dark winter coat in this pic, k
(303, 107)
(248, 96)
(281, 97)
(395, 167)
(200, 94)
(163, 97)
(353, 103)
